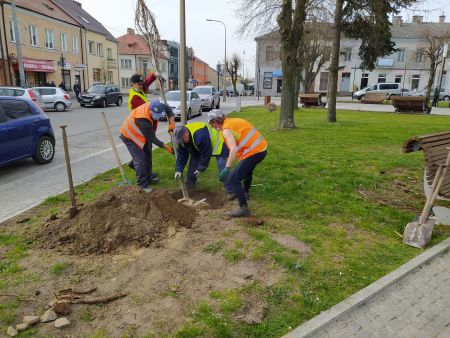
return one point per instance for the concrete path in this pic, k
(413, 301)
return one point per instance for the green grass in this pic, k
(59, 268)
(339, 188)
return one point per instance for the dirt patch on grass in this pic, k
(254, 309)
(216, 200)
(292, 243)
(118, 219)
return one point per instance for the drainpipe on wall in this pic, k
(86, 51)
(82, 58)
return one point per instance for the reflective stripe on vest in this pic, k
(135, 93)
(133, 138)
(129, 128)
(254, 144)
(215, 137)
(246, 138)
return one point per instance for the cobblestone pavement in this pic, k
(417, 306)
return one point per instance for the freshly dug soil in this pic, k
(121, 218)
(216, 200)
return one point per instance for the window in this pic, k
(75, 44)
(267, 80)
(33, 36)
(96, 74)
(49, 39)
(323, 85)
(364, 80)
(15, 110)
(347, 54)
(270, 53)
(382, 78)
(91, 46)
(12, 33)
(109, 53)
(401, 55)
(415, 82)
(125, 63)
(398, 78)
(63, 42)
(419, 57)
(47, 91)
(144, 67)
(99, 49)
(125, 82)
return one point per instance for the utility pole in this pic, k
(18, 44)
(182, 73)
(243, 66)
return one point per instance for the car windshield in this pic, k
(173, 96)
(200, 90)
(97, 90)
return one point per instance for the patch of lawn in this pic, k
(59, 268)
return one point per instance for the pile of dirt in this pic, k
(216, 200)
(121, 218)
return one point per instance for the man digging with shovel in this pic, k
(138, 132)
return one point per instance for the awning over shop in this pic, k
(277, 73)
(33, 65)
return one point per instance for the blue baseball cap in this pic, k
(157, 108)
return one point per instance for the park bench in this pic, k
(373, 98)
(311, 100)
(409, 104)
(434, 147)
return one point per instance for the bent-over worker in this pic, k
(138, 132)
(248, 146)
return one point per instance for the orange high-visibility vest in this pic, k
(130, 129)
(248, 139)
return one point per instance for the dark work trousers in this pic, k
(244, 173)
(142, 160)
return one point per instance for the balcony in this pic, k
(111, 64)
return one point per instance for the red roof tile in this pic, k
(132, 44)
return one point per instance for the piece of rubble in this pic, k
(62, 322)
(62, 308)
(31, 319)
(49, 316)
(22, 327)
(12, 332)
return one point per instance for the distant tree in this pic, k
(233, 66)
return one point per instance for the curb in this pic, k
(359, 298)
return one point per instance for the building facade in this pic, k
(408, 65)
(213, 78)
(199, 72)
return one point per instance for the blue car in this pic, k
(25, 131)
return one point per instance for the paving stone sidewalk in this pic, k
(418, 305)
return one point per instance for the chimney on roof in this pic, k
(130, 31)
(397, 20)
(78, 3)
(442, 18)
(417, 19)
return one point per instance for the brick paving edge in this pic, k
(359, 298)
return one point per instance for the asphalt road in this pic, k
(25, 184)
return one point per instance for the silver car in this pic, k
(54, 98)
(193, 104)
(27, 93)
(209, 95)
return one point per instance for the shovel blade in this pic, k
(418, 235)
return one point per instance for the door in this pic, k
(48, 96)
(345, 82)
(109, 95)
(364, 81)
(279, 85)
(16, 136)
(196, 102)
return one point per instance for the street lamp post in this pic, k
(225, 64)
(182, 73)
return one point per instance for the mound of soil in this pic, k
(118, 219)
(216, 200)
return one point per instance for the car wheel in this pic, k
(218, 105)
(45, 150)
(60, 107)
(189, 114)
(103, 105)
(212, 106)
(446, 98)
(82, 104)
(119, 101)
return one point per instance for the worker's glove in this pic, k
(169, 149)
(171, 125)
(177, 175)
(196, 173)
(224, 174)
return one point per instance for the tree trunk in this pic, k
(288, 91)
(430, 84)
(334, 66)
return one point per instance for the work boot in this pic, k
(241, 212)
(147, 190)
(231, 196)
(131, 165)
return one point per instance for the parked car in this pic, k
(102, 96)
(27, 93)
(54, 98)
(209, 95)
(444, 95)
(193, 103)
(406, 92)
(389, 88)
(25, 131)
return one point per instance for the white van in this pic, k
(388, 88)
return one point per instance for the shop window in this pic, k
(267, 80)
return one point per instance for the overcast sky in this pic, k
(207, 38)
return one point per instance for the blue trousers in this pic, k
(244, 173)
(142, 160)
(191, 180)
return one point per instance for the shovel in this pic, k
(418, 233)
(125, 181)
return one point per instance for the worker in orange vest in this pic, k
(248, 146)
(138, 132)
